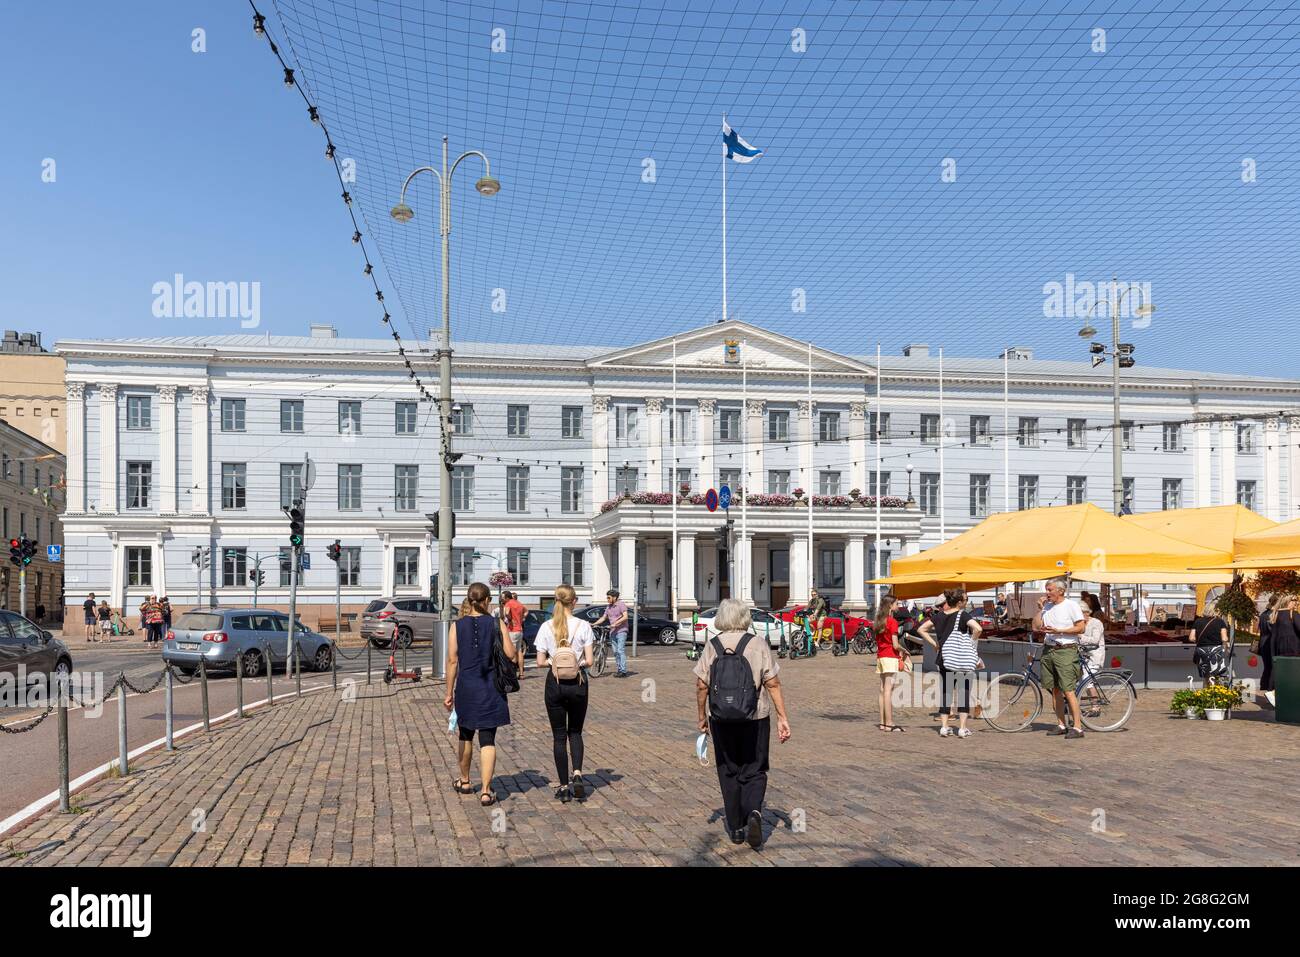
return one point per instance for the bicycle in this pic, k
(1013, 701)
(600, 649)
(862, 642)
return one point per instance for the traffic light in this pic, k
(15, 551)
(1125, 353)
(257, 576)
(334, 551)
(1098, 353)
(297, 523)
(29, 550)
(199, 557)
(437, 525)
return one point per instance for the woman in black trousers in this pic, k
(566, 698)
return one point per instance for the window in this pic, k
(1246, 494)
(878, 426)
(349, 417)
(232, 415)
(290, 415)
(462, 418)
(571, 422)
(284, 567)
(1245, 439)
(684, 477)
(290, 483)
(517, 420)
(1171, 493)
(234, 567)
(234, 485)
(877, 482)
(1074, 433)
(406, 487)
(4, 461)
(22, 473)
(728, 425)
(832, 568)
(1028, 491)
(462, 488)
(462, 566)
(1126, 435)
(979, 496)
(981, 432)
(625, 481)
(729, 478)
(828, 426)
(517, 562)
(1129, 495)
(404, 414)
(1027, 432)
(828, 483)
(138, 412)
(778, 482)
(406, 566)
(1173, 437)
(571, 566)
(627, 420)
(349, 487)
(778, 425)
(929, 493)
(571, 489)
(930, 429)
(884, 562)
(517, 488)
(1076, 489)
(350, 565)
(139, 482)
(680, 426)
(139, 567)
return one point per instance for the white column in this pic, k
(599, 453)
(108, 502)
(76, 439)
(744, 568)
(426, 566)
(654, 414)
(1228, 463)
(167, 449)
(799, 583)
(704, 444)
(627, 567)
(1293, 468)
(599, 571)
(753, 467)
(200, 469)
(858, 446)
(806, 477)
(686, 601)
(855, 573)
(159, 569)
(1273, 471)
(1202, 463)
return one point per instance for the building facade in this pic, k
(569, 457)
(31, 498)
(31, 388)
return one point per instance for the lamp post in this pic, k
(910, 500)
(1121, 356)
(404, 214)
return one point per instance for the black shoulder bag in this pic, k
(505, 673)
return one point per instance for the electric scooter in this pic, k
(393, 672)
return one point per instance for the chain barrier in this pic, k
(36, 723)
(157, 681)
(346, 657)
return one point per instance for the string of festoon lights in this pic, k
(313, 113)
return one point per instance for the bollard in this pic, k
(239, 686)
(167, 711)
(65, 800)
(368, 647)
(334, 665)
(270, 687)
(121, 726)
(203, 680)
(297, 669)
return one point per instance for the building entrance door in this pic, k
(778, 575)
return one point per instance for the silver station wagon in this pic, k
(220, 636)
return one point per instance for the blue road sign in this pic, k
(54, 553)
(306, 560)
(724, 496)
(711, 499)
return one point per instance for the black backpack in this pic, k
(732, 694)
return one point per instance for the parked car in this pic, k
(221, 635)
(411, 619)
(648, 627)
(25, 644)
(837, 620)
(766, 625)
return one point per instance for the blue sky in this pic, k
(1068, 160)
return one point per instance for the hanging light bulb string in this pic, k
(292, 82)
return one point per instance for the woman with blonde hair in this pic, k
(564, 650)
(472, 691)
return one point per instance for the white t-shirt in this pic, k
(1062, 615)
(580, 637)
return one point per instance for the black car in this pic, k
(648, 627)
(35, 649)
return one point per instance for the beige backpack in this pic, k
(564, 663)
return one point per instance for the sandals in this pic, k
(487, 799)
(891, 727)
(463, 786)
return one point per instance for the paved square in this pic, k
(329, 781)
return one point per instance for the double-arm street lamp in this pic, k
(1121, 357)
(404, 214)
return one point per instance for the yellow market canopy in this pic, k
(1275, 547)
(1217, 527)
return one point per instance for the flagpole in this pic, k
(879, 484)
(812, 562)
(1006, 435)
(744, 462)
(943, 425)
(724, 228)
(672, 478)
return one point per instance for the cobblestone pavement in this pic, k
(327, 781)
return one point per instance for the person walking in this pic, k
(890, 655)
(564, 649)
(512, 612)
(1265, 628)
(166, 605)
(1212, 636)
(616, 613)
(105, 621)
(954, 633)
(472, 691)
(1060, 619)
(88, 606)
(739, 719)
(151, 619)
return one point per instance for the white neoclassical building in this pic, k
(569, 456)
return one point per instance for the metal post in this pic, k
(203, 681)
(168, 712)
(121, 727)
(270, 677)
(295, 557)
(1116, 439)
(297, 669)
(239, 686)
(368, 647)
(636, 594)
(257, 573)
(65, 801)
(22, 590)
(338, 625)
(444, 395)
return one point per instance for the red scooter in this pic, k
(392, 672)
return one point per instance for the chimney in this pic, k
(916, 350)
(1019, 353)
(323, 330)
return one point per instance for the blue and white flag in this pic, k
(737, 148)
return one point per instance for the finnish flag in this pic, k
(737, 148)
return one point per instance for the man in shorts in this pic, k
(816, 612)
(512, 613)
(88, 606)
(1061, 621)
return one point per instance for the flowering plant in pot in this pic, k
(798, 493)
(1186, 702)
(855, 493)
(499, 580)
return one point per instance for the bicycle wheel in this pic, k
(599, 657)
(826, 641)
(1011, 702)
(1106, 702)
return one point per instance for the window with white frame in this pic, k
(728, 425)
(291, 415)
(517, 421)
(138, 412)
(349, 487)
(1126, 436)
(462, 566)
(683, 477)
(729, 478)
(1245, 438)
(517, 488)
(832, 568)
(404, 418)
(626, 479)
(572, 566)
(232, 415)
(462, 418)
(350, 565)
(406, 566)
(979, 495)
(681, 426)
(981, 430)
(1246, 493)
(234, 485)
(778, 425)
(1027, 432)
(1129, 494)
(1075, 432)
(139, 484)
(349, 417)
(1076, 489)
(828, 426)
(878, 426)
(1171, 493)
(877, 483)
(406, 487)
(1028, 491)
(778, 481)
(1173, 437)
(518, 562)
(828, 483)
(571, 422)
(234, 567)
(929, 493)
(627, 424)
(930, 429)
(571, 488)
(290, 483)
(462, 488)
(285, 570)
(139, 566)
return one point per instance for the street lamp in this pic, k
(1121, 357)
(910, 500)
(404, 214)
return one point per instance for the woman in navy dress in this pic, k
(472, 689)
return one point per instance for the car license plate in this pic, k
(188, 645)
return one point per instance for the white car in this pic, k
(765, 625)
